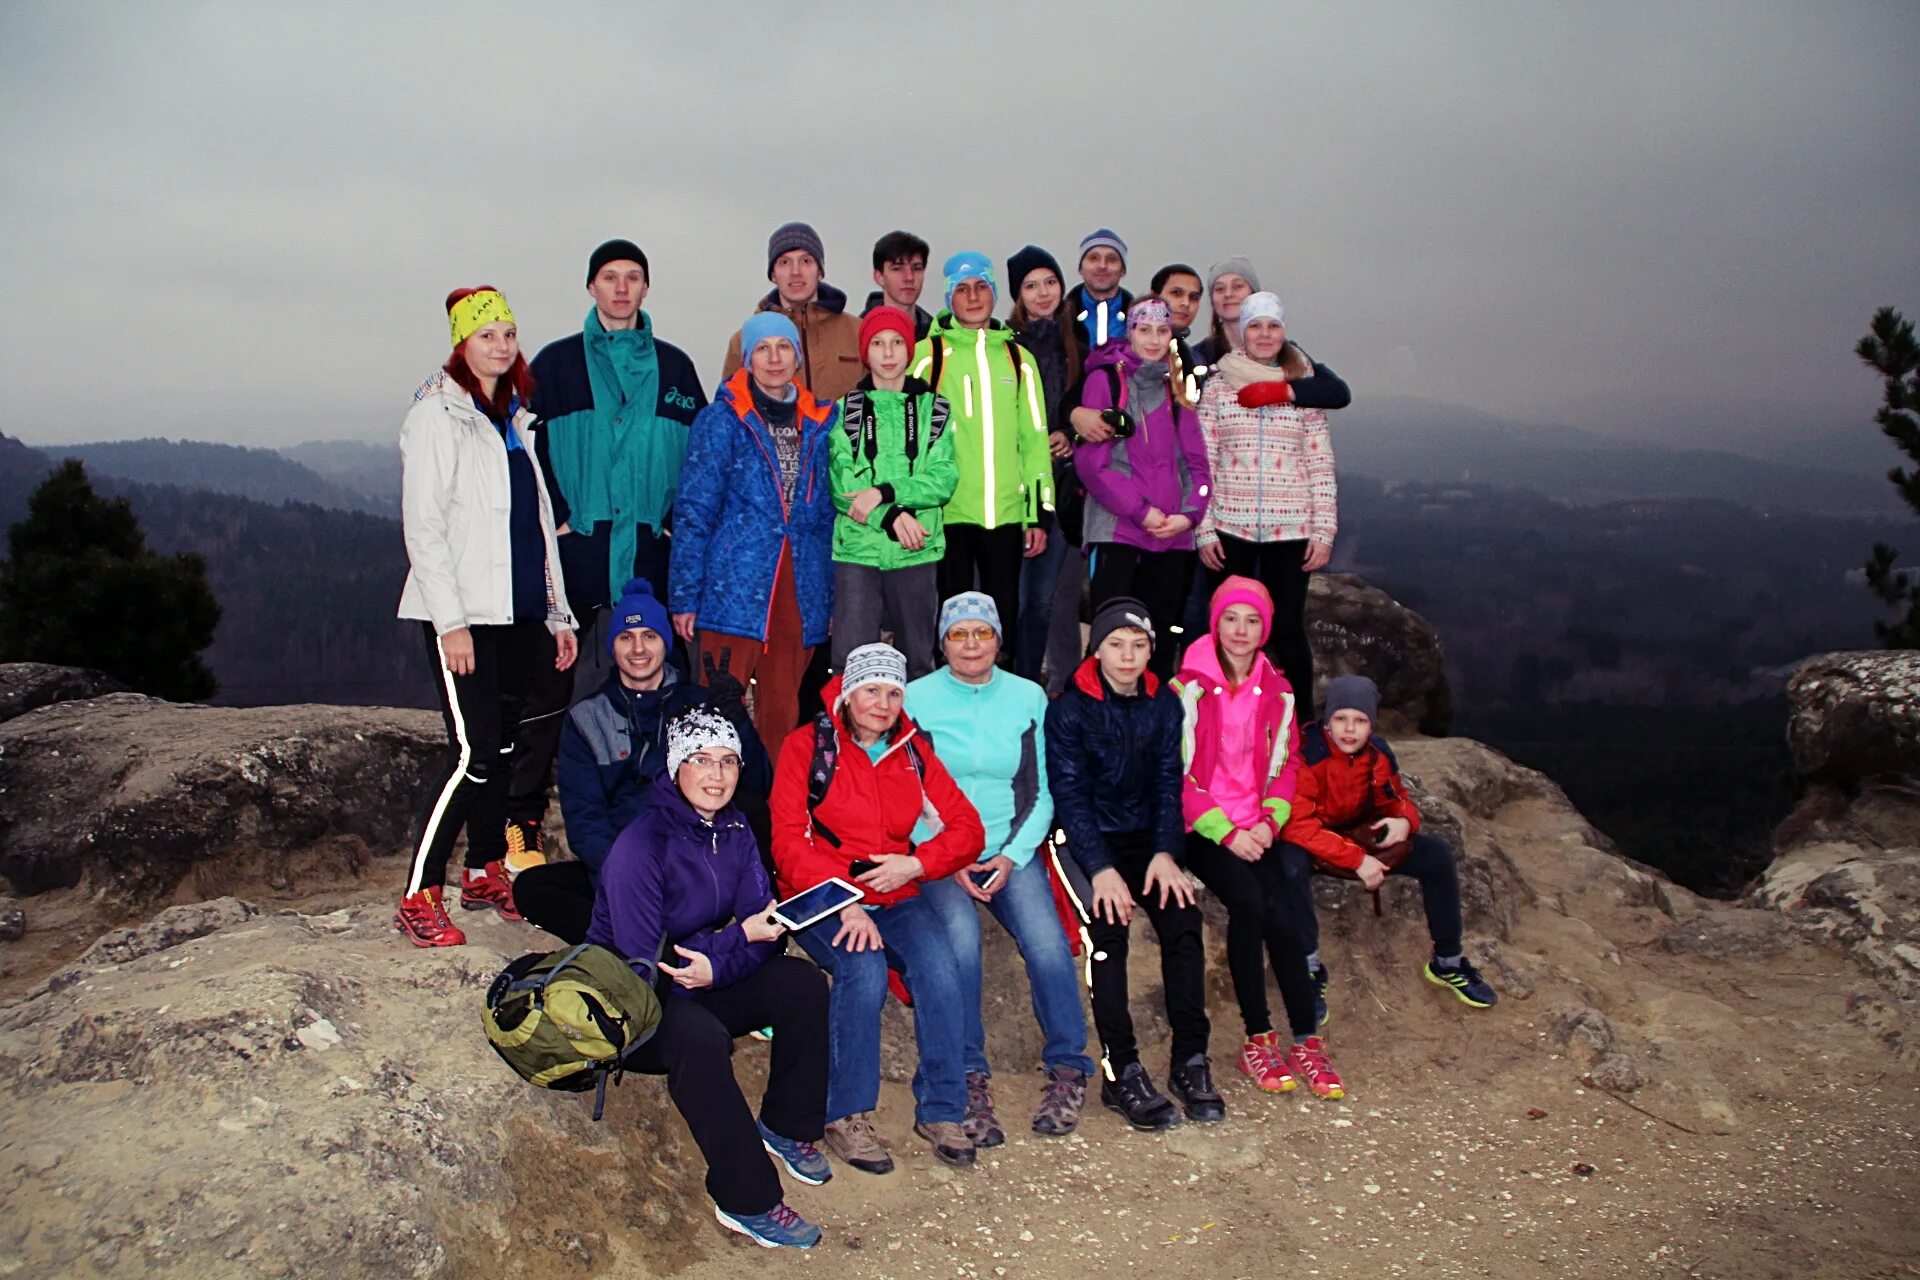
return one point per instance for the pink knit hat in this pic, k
(1239, 590)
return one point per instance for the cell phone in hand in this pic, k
(985, 880)
(860, 866)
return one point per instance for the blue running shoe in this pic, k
(1464, 981)
(802, 1159)
(771, 1230)
(1320, 979)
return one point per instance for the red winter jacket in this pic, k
(1340, 791)
(869, 809)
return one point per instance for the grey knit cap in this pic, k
(795, 235)
(1233, 267)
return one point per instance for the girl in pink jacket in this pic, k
(1240, 748)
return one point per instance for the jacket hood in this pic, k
(625, 697)
(1117, 352)
(1202, 662)
(739, 397)
(1089, 681)
(829, 299)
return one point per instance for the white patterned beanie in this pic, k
(696, 729)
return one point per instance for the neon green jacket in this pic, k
(877, 445)
(999, 422)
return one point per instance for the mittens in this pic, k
(1256, 394)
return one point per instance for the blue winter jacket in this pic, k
(676, 880)
(614, 745)
(732, 525)
(1114, 766)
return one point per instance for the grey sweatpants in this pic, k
(867, 601)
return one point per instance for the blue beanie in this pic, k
(971, 606)
(762, 325)
(637, 607)
(969, 266)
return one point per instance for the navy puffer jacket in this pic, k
(1113, 765)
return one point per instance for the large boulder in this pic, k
(132, 795)
(1854, 716)
(1357, 629)
(25, 686)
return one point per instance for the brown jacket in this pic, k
(830, 362)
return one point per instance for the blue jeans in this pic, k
(1024, 908)
(911, 930)
(1038, 578)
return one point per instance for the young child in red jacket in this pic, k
(1351, 818)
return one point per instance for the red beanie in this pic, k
(881, 319)
(1239, 590)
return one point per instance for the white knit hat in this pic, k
(696, 729)
(1260, 306)
(873, 664)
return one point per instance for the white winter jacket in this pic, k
(456, 507)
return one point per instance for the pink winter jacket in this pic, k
(1222, 793)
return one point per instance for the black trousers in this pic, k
(693, 1049)
(1157, 579)
(557, 897)
(1183, 964)
(1276, 566)
(1430, 861)
(1263, 914)
(482, 714)
(987, 560)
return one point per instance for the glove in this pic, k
(724, 690)
(1256, 394)
(1120, 420)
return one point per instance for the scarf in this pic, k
(1147, 387)
(1240, 369)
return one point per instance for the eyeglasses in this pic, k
(979, 635)
(714, 764)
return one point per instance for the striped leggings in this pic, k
(482, 711)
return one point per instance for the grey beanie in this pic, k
(1233, 267)
(1121, 611)
(795, 235)
(1351, 693)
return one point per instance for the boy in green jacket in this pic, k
(892, 469)
(1003, 501)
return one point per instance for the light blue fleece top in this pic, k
(990, 738)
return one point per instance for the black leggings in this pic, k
(995, 555)
(1276, 566)
(1430, 861)
(1261, 909)
(482, 713)
(1158, 580)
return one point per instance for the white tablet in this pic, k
(829, 897)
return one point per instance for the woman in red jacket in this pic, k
(851, 792)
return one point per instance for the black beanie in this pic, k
(617, 251)
(1120, 611)
(1026, 262)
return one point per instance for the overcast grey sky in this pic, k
(237, 221)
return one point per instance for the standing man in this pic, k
(830, 362)
(1098, 302)
(615, 405)
(999, 424)
(900, 269)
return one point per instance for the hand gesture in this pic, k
(1243, 845)
(1173, 526)
(1111, 900)
(1154, 518)
(696, 973)
(896, 870)
(723, 687)
(965, 877)
(1371, 871)
(761, 926)
(857, 932)
(1165, 874)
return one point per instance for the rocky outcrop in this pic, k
(132, 795)
(1855, 716)
(1357, 629)
(25, 686)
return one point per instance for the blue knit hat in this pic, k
(762, 325)
(637, 607)
(971, 606)
(969, 266)
(1104, 239)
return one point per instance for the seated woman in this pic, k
(684, 883)
(988, 726)
(848, 792)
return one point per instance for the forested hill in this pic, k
(264, 475)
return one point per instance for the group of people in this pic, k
(915, 516)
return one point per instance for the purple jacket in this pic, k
(675, 879)
(1163, 465)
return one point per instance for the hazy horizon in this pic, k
(1656, 224)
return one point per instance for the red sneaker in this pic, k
(1263, 1061)
(898, 985)
(1309, 1062)
(423, 918)
(491, 888)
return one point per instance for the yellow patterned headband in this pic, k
(476, 311)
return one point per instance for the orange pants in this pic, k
(772, 671)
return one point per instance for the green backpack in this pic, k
(569, 1019)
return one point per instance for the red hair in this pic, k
(517, 382)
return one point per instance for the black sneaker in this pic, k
(1135, 1098)
(1193, 1085)
(1318, 973)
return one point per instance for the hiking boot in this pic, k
(1192, 1083)
(1134, 1097)
(1464, 981)
(855, 1143)
(951, 1145)
(423, 918)
(1309, 1065)
(1264, 1061)
(1060, 1102)
(490, 888)
(982, 1126)
(1318, 973)
(802, 1159)
(780, 1226)
(525, 847)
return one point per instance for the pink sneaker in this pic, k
(1264, 1062)
(1309, 1063)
